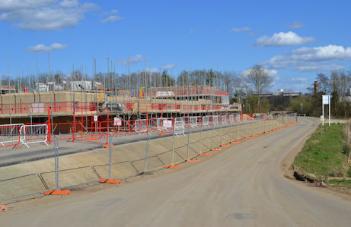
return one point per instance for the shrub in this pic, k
(346, 149)
(349, 172)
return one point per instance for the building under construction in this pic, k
(86, 107)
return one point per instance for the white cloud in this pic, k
(69, 3)
(168, 66)
(152, 70)
(298, 79)
(269, 72)
(43, 14)
(283, 39)
(242, 29)
(134, 59)
(20, 4)
(47, 48)
(112, 17)
(296, 25)
(330, 52)
(313, 59)
(317, 67)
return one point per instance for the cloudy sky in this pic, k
(294, 40)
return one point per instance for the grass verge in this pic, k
(324, 153)
(340, 182)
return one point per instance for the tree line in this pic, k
(111, 80)
(337, 84)
(244, 88)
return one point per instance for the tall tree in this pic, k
(167, 80)
(324, 83)
(258, 79)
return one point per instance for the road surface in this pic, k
(242, 186)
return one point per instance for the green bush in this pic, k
(346, 150)
(349, 172)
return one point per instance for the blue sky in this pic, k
(294, 40)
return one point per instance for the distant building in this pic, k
(85, 85)
(281, 99)
(81, 85)
(42, 87)
(7, 89)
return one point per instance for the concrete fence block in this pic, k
(71, 177)
(119, 170)
(20, 187)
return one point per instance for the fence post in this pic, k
(109, 156)
(220, 136)
(172, 165)
(146, 153)
(57, 190)
(173, 150)
(201, 134)
(57, 164)
(237, 132)
(109, 180)
(49, 124)
(187, 146)
(74, 123)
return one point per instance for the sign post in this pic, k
(329, 108)
(96, 122)
(117, 121)
(326, 101)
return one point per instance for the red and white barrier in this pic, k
(215, 120)
(179, 126)
(223, 120)
(193, 122)
(164, 124)
(141, 126)
(10, 134)
(231, 119)
(34, 134)
(205, 121)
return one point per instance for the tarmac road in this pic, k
(242, 186)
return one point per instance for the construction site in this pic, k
(143, 130)
(175, 113)
(88, 114)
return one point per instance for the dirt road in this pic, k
(242, 186)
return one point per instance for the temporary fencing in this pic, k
(141, 126)
(159, 123)
(193, 122)
(205, 121)
(223, 120)
(215, 120)
(10, 134)
(163, 124)
(231, 119)
(17, 134)
(34, 134)
(87, 129)
(179, 126)
(185, 149)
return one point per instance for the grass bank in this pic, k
(324, 154)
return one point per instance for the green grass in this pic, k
(340, 182)
(324, 154)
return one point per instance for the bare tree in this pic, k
(258, 79)
(324, 83)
